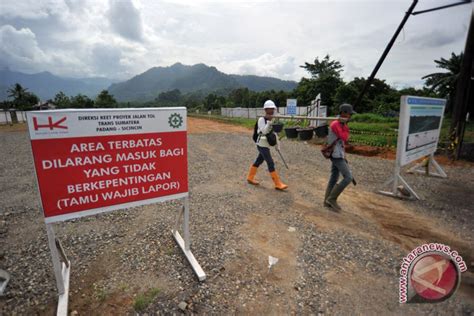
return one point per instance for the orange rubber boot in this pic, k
(276, 179)
(251, 176)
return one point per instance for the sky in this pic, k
(121, 38)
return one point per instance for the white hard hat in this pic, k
(269, 104)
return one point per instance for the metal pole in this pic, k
(55, 258)
(187, 239)
(464, 85)
(313, 118)
(442, 7)
(385, 53)
(283, 159)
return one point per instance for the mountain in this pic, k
(199, 79)
(45, 85)
(257, 83)
(196, 78)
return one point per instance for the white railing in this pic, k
(256, 112)
(6, 116)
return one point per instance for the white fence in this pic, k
(6, 116)
(256, 112)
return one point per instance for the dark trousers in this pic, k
(264, 155)
(339, 166)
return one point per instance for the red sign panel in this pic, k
(84, 168)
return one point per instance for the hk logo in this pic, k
(51, 125)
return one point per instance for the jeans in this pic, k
(339, 165)
(264, 155)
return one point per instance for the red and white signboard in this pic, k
(93, 161)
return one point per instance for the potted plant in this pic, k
(321, 131)
(290, 129)
(305, 132)
(277, 126)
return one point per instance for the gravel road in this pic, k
(329, 263)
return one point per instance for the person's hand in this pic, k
(278, 146)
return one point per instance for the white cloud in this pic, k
(125, 19)
(283, 66)
(19, 47)
(19, 50)
(121, 38)
(28, 9)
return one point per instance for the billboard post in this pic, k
(91, 161)
(418, 135)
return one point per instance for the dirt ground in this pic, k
(329, 263)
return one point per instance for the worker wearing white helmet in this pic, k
(264, 137)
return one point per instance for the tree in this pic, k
(170, 96)
(325, 79)
(81, 101)
(346, 93)
(105, 100)
(380, 97)
(17, 92)
(22, 99)
(192, 101)
(5, 104)
(280, 98)
(210, 102)
(29, 99)
(325, 67)
(444, 83)
(62, 101)
(308, 89)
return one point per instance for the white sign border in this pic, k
(403, 126)
(115, 207)
(62, 269)
(95, 211)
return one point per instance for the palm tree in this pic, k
(17, 92)
(444, 83)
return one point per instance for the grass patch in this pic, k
(245, 122)
(19, 127)
(144, 299)
(468, 132)
(382, 128)
(100, 293)
(366, 129)
(373, 140)
(373, 118)
(123, 287)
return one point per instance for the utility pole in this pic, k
(385, 53)
(394, 37)
(464, 98)
(464, 101)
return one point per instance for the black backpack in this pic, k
(271, 137)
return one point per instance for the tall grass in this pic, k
(384, 128)
(373, 118)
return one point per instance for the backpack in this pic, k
(328, 149)
(271, 137)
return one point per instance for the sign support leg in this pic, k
(187, 239)
(396, 175)
(404, 191)
(424, 168)
(61, 270)
(438, 168)
(185, 244)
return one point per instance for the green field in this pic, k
(366, 129)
